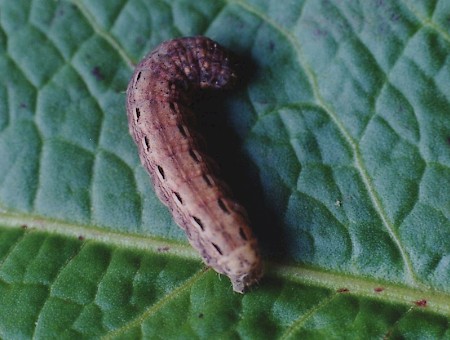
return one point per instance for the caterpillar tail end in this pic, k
(243, 267)
(245, 282)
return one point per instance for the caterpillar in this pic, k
(159, 96)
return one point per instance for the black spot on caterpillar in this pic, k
(158, 98)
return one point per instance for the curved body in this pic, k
(158, 99)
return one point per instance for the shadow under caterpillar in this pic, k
(159, 95)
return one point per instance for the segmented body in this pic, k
(158, 99)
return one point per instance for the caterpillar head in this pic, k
(219, 69)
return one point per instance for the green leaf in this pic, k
(337, 140)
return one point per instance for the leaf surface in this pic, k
(337, 140)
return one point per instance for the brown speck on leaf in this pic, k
(378, 289)
(81, 238)
(97, 73)
(319, 33)
(421, 303)
(343, 290)
(163, 249)
(140, 41)
(395, 17)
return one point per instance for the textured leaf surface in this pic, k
(337, 141)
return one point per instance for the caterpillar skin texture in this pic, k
(158, 98)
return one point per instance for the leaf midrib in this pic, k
(437, 301)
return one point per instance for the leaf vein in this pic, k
(428, 21)
(105, 35)
(297, 324)
(157, 306)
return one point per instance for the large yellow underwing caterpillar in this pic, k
(158, 98)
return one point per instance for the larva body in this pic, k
(158, 98)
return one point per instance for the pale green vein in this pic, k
(87, 232)
(410, 274)
(11, 249)
(44, 305)
(389, 331)
(137, 322)
(437, 301)
(428, 22)
(290, 332)
(102, 33)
